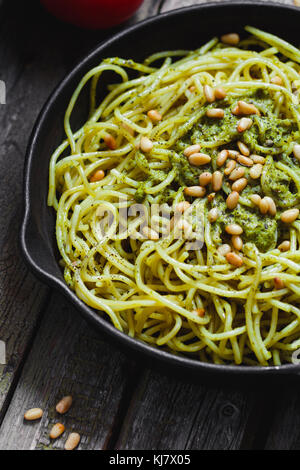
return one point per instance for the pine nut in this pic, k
(205, 178)
(97, 176)
(182, 206)
(110, 141)
(211, 197)
(245, 161)
(57, 430)
(209, 93)
(244, 124)
(217, 180)
(222, 157)
(239, 185)
(247, 108)
(296, 151)
(230, 167)
(150, 233)
(232, 200)
(272, 206)
(224, 249)
(232, 39)
(154, 115)
(276, 80)
(258, 159)
(255, 198)
(237, 174)
(234, 259)
(256, 171)
(199, 159)
(72, 441)
(185, 227)
(188, 151)
(290, 216)
(220, 93)
(33, 414)
(213, 215)
(236, 111)
(278, 283)
(216, 113)
(146, 144)
(200, 312)
(243, 148)
(234, 229)
(233, 154)
(264, 206)
(237, 242)
(285, 246)
(64, 404)
(195, 191)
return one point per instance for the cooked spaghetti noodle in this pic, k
(212, 132)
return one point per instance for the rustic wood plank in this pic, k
(68, 357)
(169, 413)
(172, 4)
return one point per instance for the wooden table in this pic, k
(119, 403)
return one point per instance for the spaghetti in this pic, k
(211, 137)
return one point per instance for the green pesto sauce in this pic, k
(268, 131)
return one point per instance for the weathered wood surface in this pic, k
(115, 406)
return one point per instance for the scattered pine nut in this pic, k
(195, 191)
(209, 93)
(229, 167)
(245, 161)
(154, 115)
(256, 171)
(182, 206)
(184, 226)
(234, 259)
(64, 404)
(232, 200)
(264, 206)
(278, 283)
(276, 80)
(222, 157)
(150, 233)
(224, 249)
(237, 173)
(216, 113)
(258, 159)
(72, 441)
(237, 242)
(205, 178)
(217, 180)
(247, 108)
(243, 148)
(213, 215)
(233, 154)
(199, 159)
(244, 124)
(200, 312)
(220, 93)
(272, 206)
(97, 176)
(191, 149)
(57, 430)
(33, 414)
(234, 229)
(239, 185)
(211, 197)
(110, 141)
(296, 151)
(232, 39)
(290, 216)
(146, 145)
(285, 246)
(236, 111)
(255, 198)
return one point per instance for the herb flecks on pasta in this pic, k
(214, 132)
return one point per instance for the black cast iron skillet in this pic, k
(185, 28)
